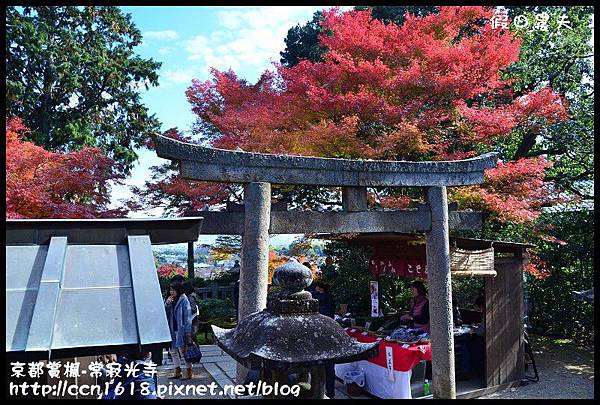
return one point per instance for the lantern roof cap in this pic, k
(290, 333)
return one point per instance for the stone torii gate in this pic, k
(257, 220)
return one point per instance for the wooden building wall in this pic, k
(504, 322)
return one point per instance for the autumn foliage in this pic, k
(180, 195)
(275, 261)
(431, 89)
(170, 270)
(513, 191)
(44, 184)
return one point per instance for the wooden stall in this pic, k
(503, 284)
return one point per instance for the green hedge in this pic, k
(553, 310)
(215, 310)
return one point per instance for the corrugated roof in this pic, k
(65, 300)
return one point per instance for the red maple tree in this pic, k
(171, 270)
(44, 184)
(430, 89)
(177, 195)
(433, 88)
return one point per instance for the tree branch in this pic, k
(527, 143)
(556, 151)
(571, 179)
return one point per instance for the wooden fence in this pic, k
(216, 291)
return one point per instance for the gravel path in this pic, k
(566, 372)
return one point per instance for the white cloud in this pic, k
(248, 38)
(196, 47)
(161, 35)
(178, 76)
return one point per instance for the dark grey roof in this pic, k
(102, 231)
(587, 295)
(586, 187)
(584, 205)
(65, 299)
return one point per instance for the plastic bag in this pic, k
(357, 377)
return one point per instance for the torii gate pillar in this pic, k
(440, 296)
(254, 266)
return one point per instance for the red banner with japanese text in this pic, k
(399, 266)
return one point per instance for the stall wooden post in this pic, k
(190, 260)
(504, 323)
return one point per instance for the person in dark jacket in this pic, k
(326, 307)
(418, 307)
(326, 299)
(313, 284)
(190, 293)
(456, 317)
(236, 299)
(473, 357)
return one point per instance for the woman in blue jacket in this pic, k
(179, 315)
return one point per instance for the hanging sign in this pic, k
(399, 266)
(389, 359)
(374, 286)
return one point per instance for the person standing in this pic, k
(190, 293)
(235, 299)
(328, 269)
(456, 316)
(311, 287)
(179, 313)
(326, 307)
(472, 360)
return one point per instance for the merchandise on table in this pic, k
(464, 329)
(388, 375)
(409, 335)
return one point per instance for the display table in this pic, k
(388, 374)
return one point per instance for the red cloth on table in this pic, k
(404, 358)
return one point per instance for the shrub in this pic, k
(553, 310)
(199, 282)
(215, 309)
(350, 283)
(226, 278)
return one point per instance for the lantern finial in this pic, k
(292, 277)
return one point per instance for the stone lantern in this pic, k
(290, 337)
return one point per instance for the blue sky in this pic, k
(189, 41)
